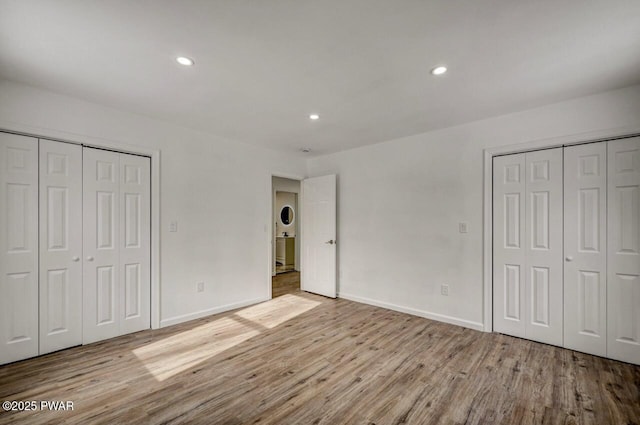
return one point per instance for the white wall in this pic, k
(218, 191)
(399, 204)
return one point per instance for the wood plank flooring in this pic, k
(305, 359)
(285, 283)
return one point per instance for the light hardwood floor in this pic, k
(305, 359)
(284, 283)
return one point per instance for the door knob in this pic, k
(569, 258)
(330, 242)
(89, 258)
(75, 258)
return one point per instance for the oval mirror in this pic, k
(286, 215)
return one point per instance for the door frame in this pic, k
(270, 228)
(96, 142)
(487, 213)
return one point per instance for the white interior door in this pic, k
(623, 288)
(527, 256)
(19, 247)
(135, 243)
(318, 273)
(101, 219)
(509, 254)
(544, 212)
(117, 244)
(585, 242)
(60, 245)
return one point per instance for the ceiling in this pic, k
(262, 66)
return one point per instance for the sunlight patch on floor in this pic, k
(177, 353)
(180, 352)
(278, 310)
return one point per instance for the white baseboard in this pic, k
(208, 312)
(421, 313)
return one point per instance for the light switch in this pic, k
(173, 226)
(463, 227)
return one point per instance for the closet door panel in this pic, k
(18, 247)
(623, 290)
(60, 245)
(585, 267)
(135, 242)
(101, 242)
(543, 246)
(509, 244)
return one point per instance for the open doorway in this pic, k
(285, 236)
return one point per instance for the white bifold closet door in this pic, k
(116, 244)
(623, 288)
(19, 247)
(60, 245)
(585, 248)
(527, 223)
(577, 286)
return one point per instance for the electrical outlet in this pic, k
(444, 290)
(200, 286)
(463, 227)
(173, 226)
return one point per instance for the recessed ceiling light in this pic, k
(183, 60)
(439, 70)
(314, 116)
